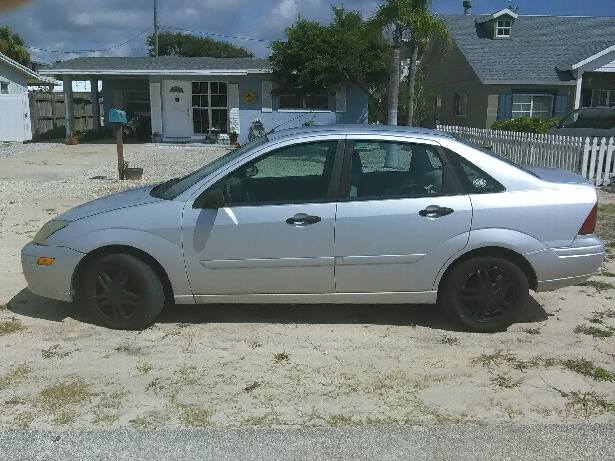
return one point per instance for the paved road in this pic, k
(447, 442)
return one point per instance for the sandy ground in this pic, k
(224, 366)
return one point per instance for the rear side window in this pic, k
(390, 170)
(475, 180)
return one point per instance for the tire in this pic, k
(121, 292)
(484, 294)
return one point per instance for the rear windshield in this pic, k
(174, 187)
(499, 157)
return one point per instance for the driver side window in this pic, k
(389, 170)
(300, 173)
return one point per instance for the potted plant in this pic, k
(233, 137)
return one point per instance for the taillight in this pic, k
(590, 222)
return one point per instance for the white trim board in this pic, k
(222, 72)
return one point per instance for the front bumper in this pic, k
(50, 281)
(561, 267)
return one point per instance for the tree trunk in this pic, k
(412, 84)
(393, 86)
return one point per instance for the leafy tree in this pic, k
(409, 23)
(189, 45)
(12, 45)
(315, 57)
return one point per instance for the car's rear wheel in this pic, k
(120, 291)
(484, 293)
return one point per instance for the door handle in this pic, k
(435, 211)
(302, 219)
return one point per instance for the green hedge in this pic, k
(526, 124)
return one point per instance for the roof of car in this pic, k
(358, 129)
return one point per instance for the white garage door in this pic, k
(15, 118)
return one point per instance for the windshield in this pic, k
(172, 188)
(493, 154)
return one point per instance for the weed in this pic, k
(598, 285)
(594, 331)
(531, 331)
(144, 368)
(128, 349)
(254, 344)
(11, 326)
(195, 416)
(253, 386)
(60, 395)
(339, 420)
(505, 381)
(187, 375)
(281, 357)
(607, 274)
(589, 402)
(15, 376)
(449, 340)
(3, 307)
(600, 316)
(53, 352)
(496, 359)
(150, 420)
(23, 420)
(587, 368)
(153, 385)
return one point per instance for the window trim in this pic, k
(503, 27)
(609, 92)
(4, 85)
(332, 188)
(451, 184)
(209, 108)
(305, 108)
(531, 114)
(457, 112)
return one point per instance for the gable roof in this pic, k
(497, 14)
(540, 48)
(32, 77)
(163, 65)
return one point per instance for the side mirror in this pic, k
(212, 200)
(251, 171)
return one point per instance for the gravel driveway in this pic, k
(263, 366)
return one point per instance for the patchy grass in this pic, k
(255, 385)
(129, 349)
(449, 340)
(13, 325)
(14, 377)
(150, 421)
(607, 274)
(143, 368)
(587, 368)
(3, 307)
(531, 331)
(505, 381)
(339, 420)
(597, 285)
(61, 395)
(281, 357)
(594, 331)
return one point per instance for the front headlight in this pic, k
(48, 230)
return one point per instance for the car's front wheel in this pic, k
(484, 293)
(120, 291)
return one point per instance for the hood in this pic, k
(132, 197)
(558, 175)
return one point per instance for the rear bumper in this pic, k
(50, 281)
(560, 267)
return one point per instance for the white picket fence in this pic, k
(591, 157)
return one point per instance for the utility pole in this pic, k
(156, 27)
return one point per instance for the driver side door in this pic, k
(274, 232)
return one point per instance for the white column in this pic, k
(95, 104)
(577, 96)
(68, 106)
(267, 99)
(233, 107)
(155, 101)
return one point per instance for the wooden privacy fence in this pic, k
(47, 113)
(526, 148)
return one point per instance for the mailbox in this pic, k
(117, 116)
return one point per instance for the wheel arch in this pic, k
(518, 259)
(132, 251)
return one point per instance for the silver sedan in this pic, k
(340, 214)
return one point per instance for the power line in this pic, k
(117, 45)
(214, 34)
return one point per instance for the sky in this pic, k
(71, 25)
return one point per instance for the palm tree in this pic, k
(407, 21)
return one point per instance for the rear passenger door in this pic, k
(402, 214)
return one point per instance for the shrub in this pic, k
(526, 124)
